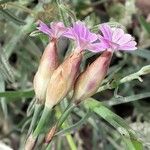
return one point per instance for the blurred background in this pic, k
(21, 46)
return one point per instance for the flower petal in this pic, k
(106, 31)
(96, 47)
(44, 28)
(129, 46)
(124, 39)
(105, 42)
(81, 34)
(92, 37)
(117, 34)
(58, 29)
(69, 34)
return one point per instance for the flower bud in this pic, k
(89, 81)
(63, 79)
(48, 63)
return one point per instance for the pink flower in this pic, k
(116, 39)
(91, 78)
(83, 37)
(55, 30)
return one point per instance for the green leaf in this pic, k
(8, 15)
(117, 122)
(5, 68)
(69, 11)
(121, 100)
(2, 99)
(5, 1)
(74, 126)
(132, 144)
(17, 94)
(143, 53)
(145, 24)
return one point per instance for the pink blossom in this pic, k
(116, 39)
(83, 37)
(55, 30)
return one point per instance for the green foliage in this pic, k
(127, 83)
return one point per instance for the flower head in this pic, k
(63, 79)
(55, 30)
(48, 63)
(89, 81)
(116, 39)
(83, 37)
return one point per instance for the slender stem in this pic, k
(48, 147)
(143, 71)
(74, 126)
(37, 110)
(60, 121)
(65, 114)
(42, 121)
(71, 142)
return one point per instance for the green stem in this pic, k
(65, 114)
(48, 147)
(143, 71)
(71, 142)
(42, 121)
(37, 110)
(62, 119)
(74, 126)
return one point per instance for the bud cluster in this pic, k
(53, 82)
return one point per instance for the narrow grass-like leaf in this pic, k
(122, 100)
(9, 16)
(5, 1)
(69, 11)
(143, 71)
(16, 94)
(74, 126)
(117, 122)
(145, 24)
(37, 109)
(132, 144)
(2, 99)
(5, 68)
(143, 53)
(20, 33)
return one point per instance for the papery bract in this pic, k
(62, 80)
(60, 84)
(49, 62)
(89, 81)
(116, 39)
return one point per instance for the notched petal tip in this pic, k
(44, 28)
(106, 31)
(116, 38)
(81, 34)
(55, 30)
